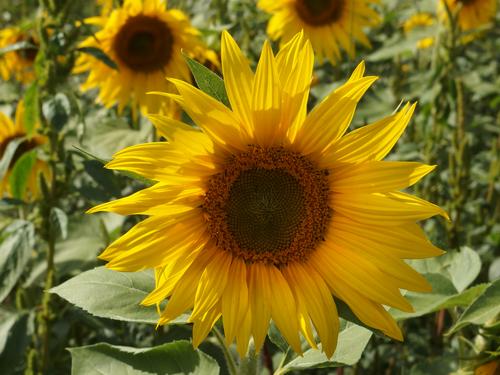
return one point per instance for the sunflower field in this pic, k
(250, 187)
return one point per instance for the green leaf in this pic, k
(352, 342)
(13, 340)
(111, 294)
(482, 310)
(31, 112)
(15, 252)
(209, 82)
(59, 220)
(464, 268)
(177, 357)
(8, 154)
(18, 179)
(100, 55)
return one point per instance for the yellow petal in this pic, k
(377, 176)
(260, 301)
(295, 62)
(202, 325)
(384, 209)
(329, 120)
(266, 99)
(371, 142)
(212, 284)
(283, 307)
(235, 300)
(238, 79)
(216, 120)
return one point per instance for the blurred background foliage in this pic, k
(60, 314)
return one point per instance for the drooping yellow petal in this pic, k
(283, 307)
(243, 334)
(266, 99)
(311, 291)
(238, 79)
(184, 292)
(212, 284)
(377, 176)
(235, 300)
(259, 294)
(203, 324)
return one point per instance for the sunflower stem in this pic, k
(231, 364)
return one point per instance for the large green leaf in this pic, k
(15, 252)
(352, 342)
(485, 308)
(111, 294)
(208, 81)
(177, 357)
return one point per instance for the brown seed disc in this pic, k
(319, 12)
(144, 44)
(268, 205)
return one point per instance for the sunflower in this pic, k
(420, 20)
(10, 131)
(330, 24)
(145, 40)
(471, 13)
(19, 63)
(267, 212)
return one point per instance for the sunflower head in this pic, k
(18, 64)
(13, 131)
(331, 25)
(419, 21)
(145, 40)
(264, 211)
(471, 14)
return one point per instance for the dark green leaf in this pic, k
(13, 340)
(100, 55)
(59, 220)
(57, 110)
(19, 177)
(15, 252)
(111, 294)
(31, 112)
(177, 357)
(208, 81)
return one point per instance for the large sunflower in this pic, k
(267, 212)
(472, 13)
(145, 40)
(329, 24)
(10, 131)
(19, 63)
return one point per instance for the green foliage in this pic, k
(177, 357)
(20, 174)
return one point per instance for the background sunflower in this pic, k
(19, 63)
(145, 41)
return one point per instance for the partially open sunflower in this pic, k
(11, 131)
(19, 63)
(330, 25)
(266, 212)
(145, 40)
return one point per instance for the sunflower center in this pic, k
(144, 44)
(28, 53)
(268, 205)
(319, 12)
